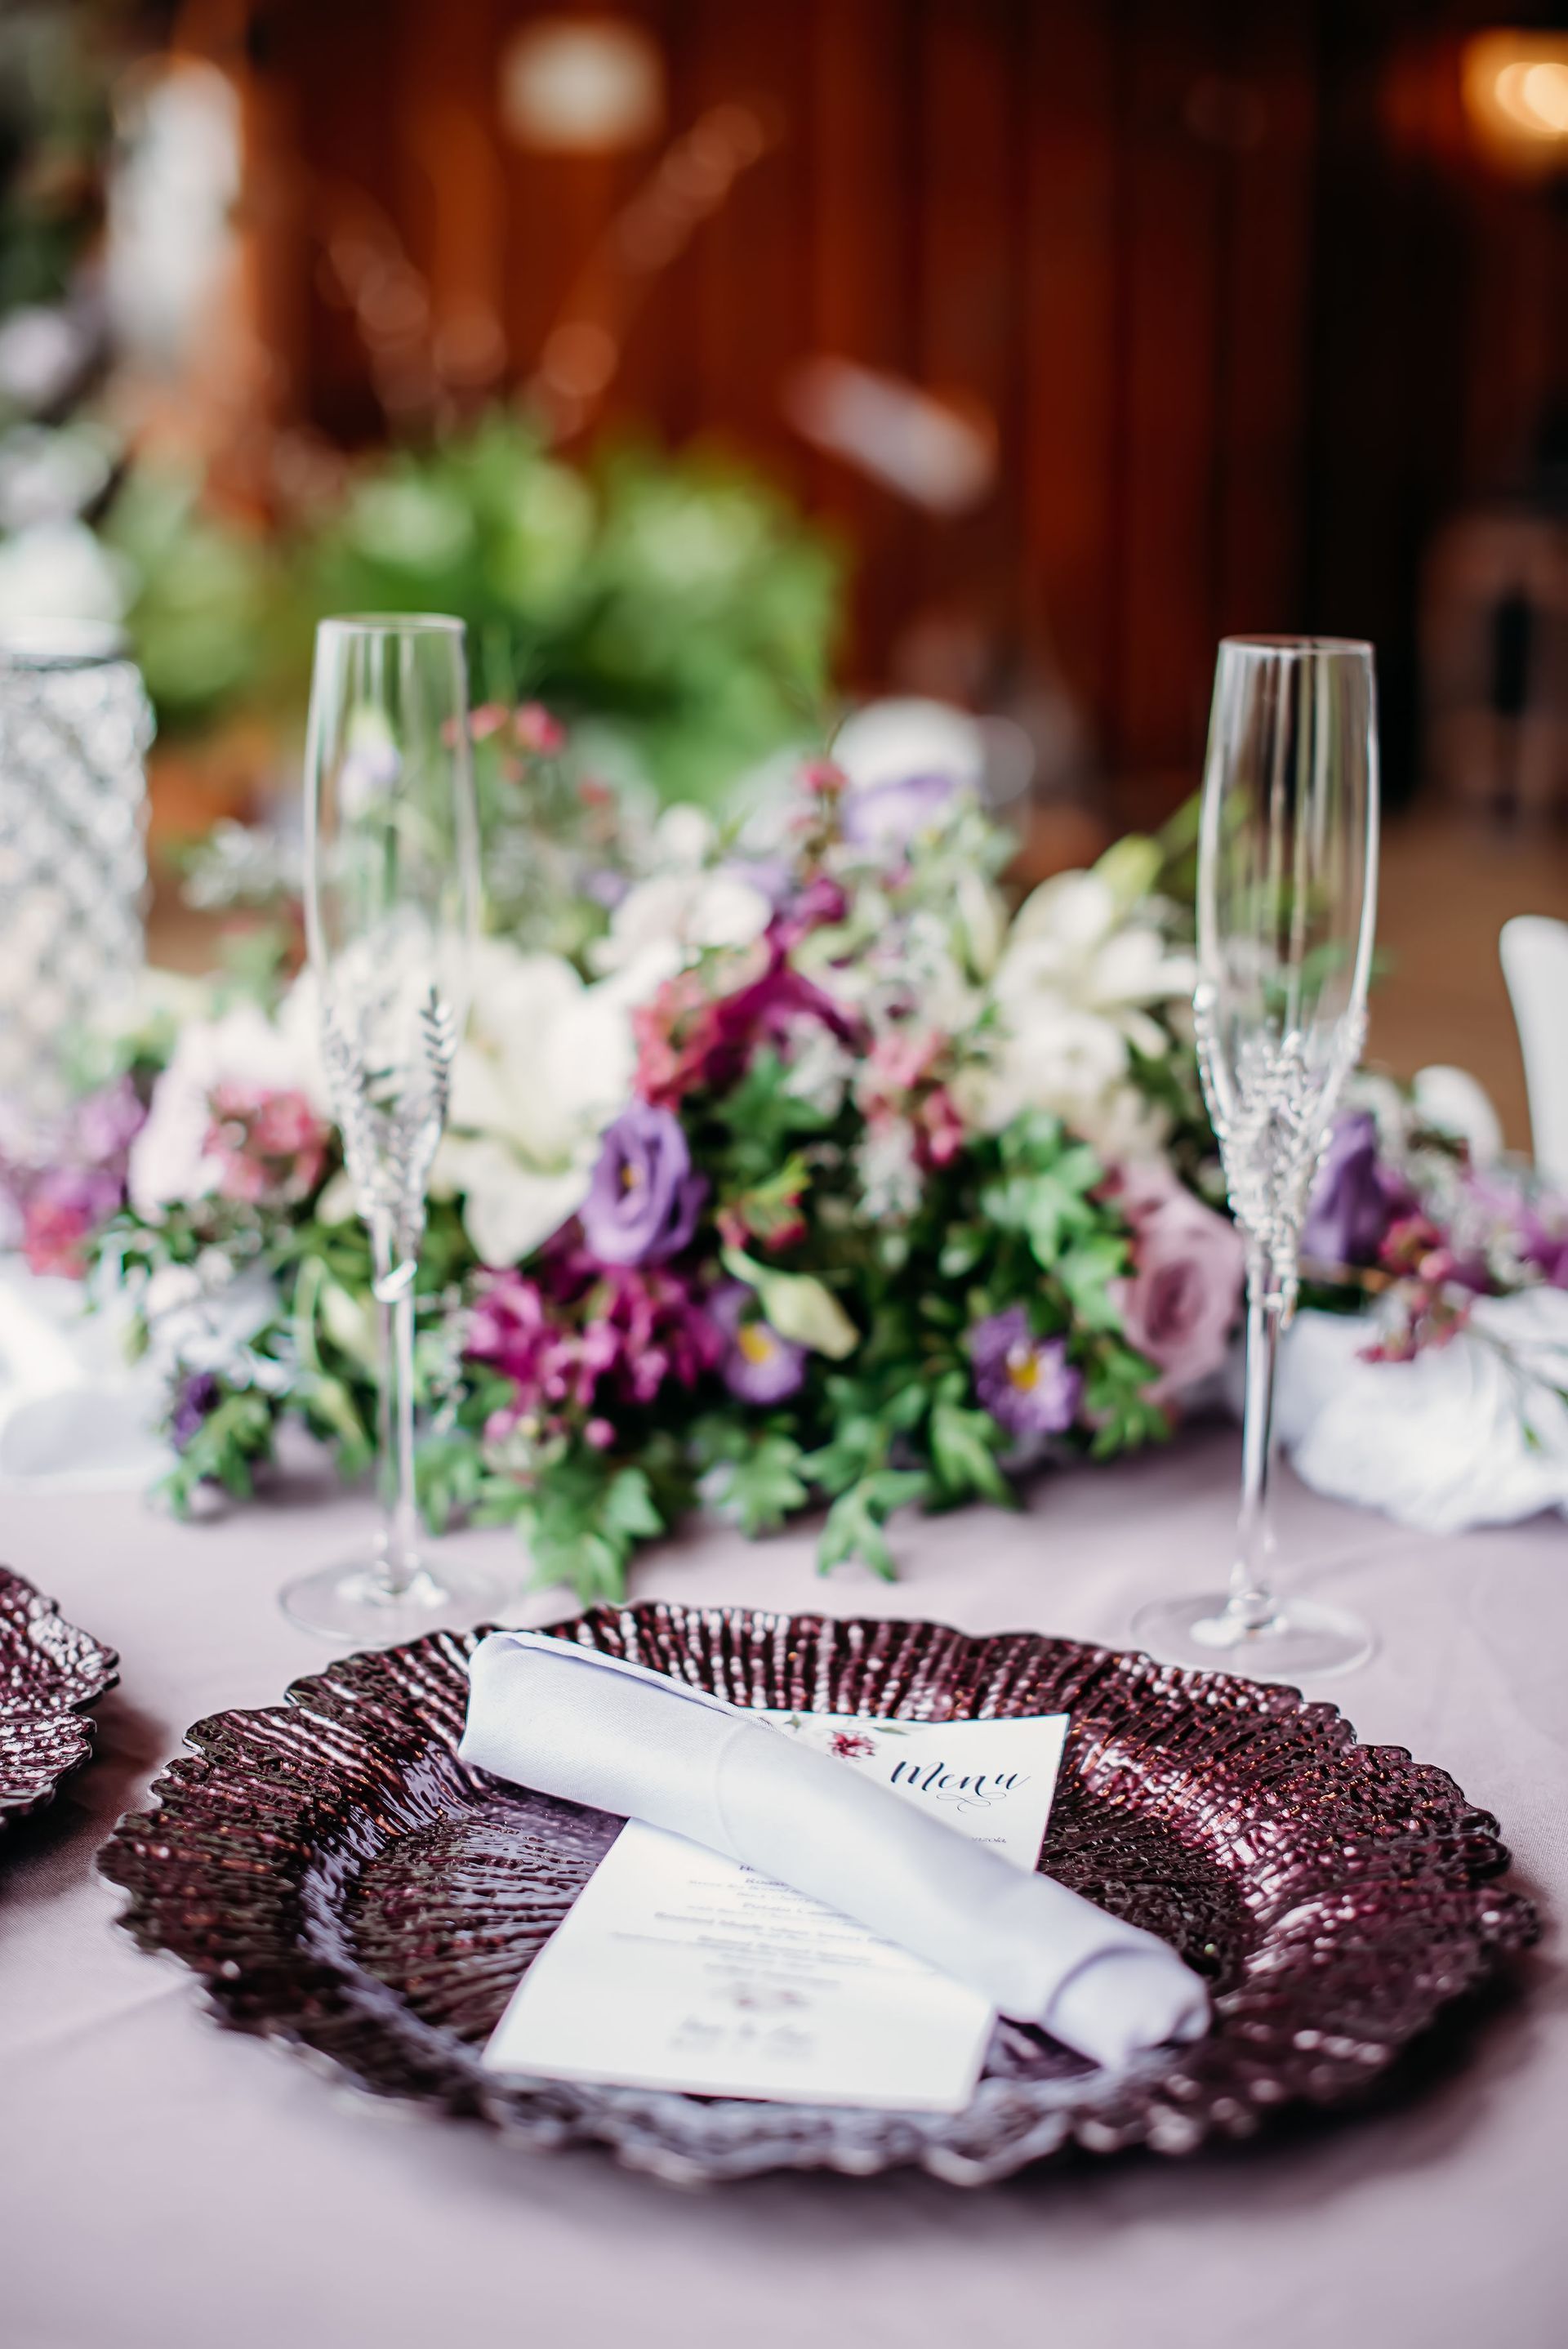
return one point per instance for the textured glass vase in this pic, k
(75, 726)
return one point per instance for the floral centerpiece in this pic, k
(809, 1176)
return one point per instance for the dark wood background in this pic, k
(1249, 313)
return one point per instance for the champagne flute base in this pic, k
(1300, 1640)
(354, 1601)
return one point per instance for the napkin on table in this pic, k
(594, 1729)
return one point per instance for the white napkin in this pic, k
(592, 1729)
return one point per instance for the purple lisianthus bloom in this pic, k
(643, 1202)
(757, 1364)
(1547, 1250)
(194, 1403)
(891, 814)
(1027, 1384)
(1355, 1201)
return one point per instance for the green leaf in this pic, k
(236, 1434)
(1129, 868)
(581, 1519)
(854, 1524)
(1116, 1384)
(1086, 1271)
(962, 1250)
(963, 1446)
(761, 1488)
(770, 1211)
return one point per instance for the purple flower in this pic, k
(757, 1364)
(891, 815)
(1547, 1250)
(1027, 1384)
(196, 1400)
(1355, 1201)
(105, 1123)
(605, 887)
(1178, 1305)
(643, 1202)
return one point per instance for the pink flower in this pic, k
(942, 1130)
(537, 729)
(266, 1146)
(586, 1339)
(1181, 1303)
(690, 1040)
(63, 1210)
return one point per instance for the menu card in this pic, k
(677, 1968)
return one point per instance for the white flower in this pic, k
(668, 921)
(169, 1162)
(820, 1068)
(546, 1065)
(1071, 944)
(683, 837)
(888, 1169)
(1472, 1433)
(207, 1322)
(1074, 992)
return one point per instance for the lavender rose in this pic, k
(1180, 1305)
(643, 1202)
(1027, 1384)
(758, 1365)
(1354, 1199)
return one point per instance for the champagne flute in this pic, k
(391, 906)
(1287, 888)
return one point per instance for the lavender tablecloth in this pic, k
(164, 2184)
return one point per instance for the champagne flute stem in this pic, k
(1250, 1599)
(394, 1289)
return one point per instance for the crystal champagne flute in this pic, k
(1287, 885)
(391, 910)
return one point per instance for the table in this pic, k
(165, 2184)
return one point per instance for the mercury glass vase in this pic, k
(75, 727)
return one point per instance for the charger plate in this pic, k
(342, 1883)
(48, 1671)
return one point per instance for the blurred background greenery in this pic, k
(675, 606)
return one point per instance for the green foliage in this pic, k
(676, 604)
(233, 1438)
(206, 596)
(854, 1532)
(582, 1520)
(753, 1474)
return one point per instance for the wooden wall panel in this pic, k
(865, 273)
(1263, 119)
(969, 238)
(1170, 292)
(1247, 317)
(1069, 404)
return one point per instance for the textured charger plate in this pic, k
(340, 1882)
(48, 1671)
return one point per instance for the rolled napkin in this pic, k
(595, 1730)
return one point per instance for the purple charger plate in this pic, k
(339, 1881)
(48, 1671)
